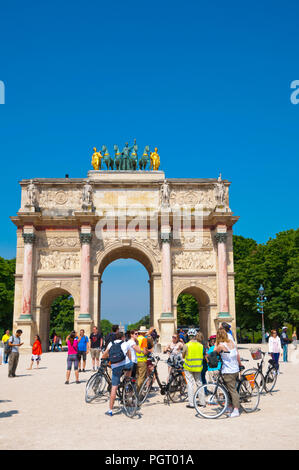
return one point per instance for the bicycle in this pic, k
(176, 388)
(265, 381)
(216, 396)
(126, 391)
(96, 385)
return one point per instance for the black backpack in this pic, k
(213, 360)
(116, 354)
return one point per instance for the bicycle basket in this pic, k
(251, 379)
(256, 354)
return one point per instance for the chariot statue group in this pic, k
(126, 160)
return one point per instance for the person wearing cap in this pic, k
(193, 365)
(141, 357)
(213, 371)
(284, 343)
(228, 330)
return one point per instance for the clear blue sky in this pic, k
(208, 83)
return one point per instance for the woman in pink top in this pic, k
(72, 357)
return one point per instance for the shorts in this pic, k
(117, 373)
(35, 357)
(72, 359)
(95, 353)
(81, 354)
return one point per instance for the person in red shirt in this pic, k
(36, 352)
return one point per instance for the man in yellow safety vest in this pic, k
(141, 357)
(193, 364)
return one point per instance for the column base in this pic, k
(84, 315)
(84, 323)
(26, 324)
(167, 327)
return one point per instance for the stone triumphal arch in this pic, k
(70, 230)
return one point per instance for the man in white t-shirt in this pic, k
(118, 367)
(133, 348)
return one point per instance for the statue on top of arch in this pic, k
(127, 159)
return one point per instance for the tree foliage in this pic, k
(144, 321)
(187, 310)
(7, 285)
(276, 266)
(105, 326)
(62, 315)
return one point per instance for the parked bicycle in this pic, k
(216, 395)
(265, 381)
(175, 389)
(100, 383)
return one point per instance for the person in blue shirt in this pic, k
(83, 349)
(213, 372)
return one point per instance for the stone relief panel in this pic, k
(56, 240)
(54, 198)
(204, 196)
(194, 241)
(58, 261)
(189, 261)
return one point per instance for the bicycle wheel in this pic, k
(259, 378)
(270, 379)
(145, 389)
(130, 399)
(214, 399)
(249, 395)
(95, 387)
(177, 389)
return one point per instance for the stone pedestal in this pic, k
(167, 328)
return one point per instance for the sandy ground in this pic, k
(38, 411)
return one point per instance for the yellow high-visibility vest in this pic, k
(194, 357)
(141, 357)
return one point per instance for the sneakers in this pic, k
(234, 414)
(66, 382)
(109, 413)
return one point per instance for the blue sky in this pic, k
(208, 83)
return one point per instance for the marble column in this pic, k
(85, 239)
(221, 238)
(29, 239)
(166, 274)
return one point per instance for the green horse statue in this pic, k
(107, 159)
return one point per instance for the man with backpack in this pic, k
(14, 344)
(117, 352)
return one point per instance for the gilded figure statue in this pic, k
(155, 160)
(96, 159)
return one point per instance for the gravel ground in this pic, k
(38, 411)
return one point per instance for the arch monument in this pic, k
(70, 229)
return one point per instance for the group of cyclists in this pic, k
(131, 357)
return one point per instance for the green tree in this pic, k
(105, 326)
(62, 315)
(187, 310)
(144, 321)
(7, 285)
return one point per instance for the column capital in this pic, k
(221, 237)
(166, 237)
(85, 238)
(29, 238)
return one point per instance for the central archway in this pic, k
(127, 252)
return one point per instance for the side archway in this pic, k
(203, 304)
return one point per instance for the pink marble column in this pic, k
(166, 274)
(221, 238)
(85, 274)
(29, 239)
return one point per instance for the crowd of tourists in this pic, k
(129, 354)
